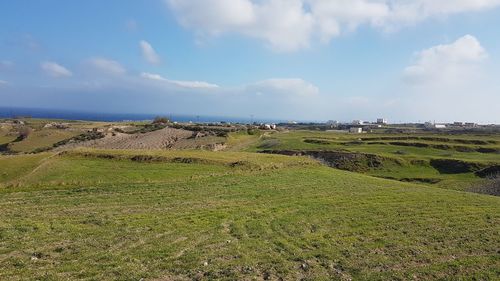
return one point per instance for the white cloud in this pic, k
(183, 84)
(289, 25)
(281, 23)
(215, 15)
(415, 11)
(450, 82)
(278, 96)
(3, 82)
(107, 66)
(276, 87)
(287, 87)
(55, 70)
(149, 53)
(447, 63)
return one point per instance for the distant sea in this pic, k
(11, 112)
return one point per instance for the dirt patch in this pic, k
(452, 166)
(188, 160)
(148, 159)
(90, 155)
(459, 148)
(243, 165)
(487, 150)
(214, 146)
(417, 180)
(490, 187)
(159, 139)
(4, 148)
(464, 149)
(204, 143)
(353, 143)
(316, 141)
(435, 139)
(419, 162)
(349, 161)
(489, 172)
(421, 180)
(413, 144)
(269, 143)
(140, 158)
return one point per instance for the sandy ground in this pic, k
(161, 139)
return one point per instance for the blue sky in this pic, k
(294, 59)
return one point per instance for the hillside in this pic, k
(182, 215)
(452, 161)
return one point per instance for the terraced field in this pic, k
(183, 215)
(448, 161)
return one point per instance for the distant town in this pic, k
(361, 126)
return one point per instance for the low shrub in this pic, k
(92, 135)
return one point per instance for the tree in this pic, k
(161, 120)
(24, 132)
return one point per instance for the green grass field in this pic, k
(405, 156)
(182, 215)
(5, 134)
(43, 138)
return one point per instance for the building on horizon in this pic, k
(432, 125)
(382, 121)
(355, 130)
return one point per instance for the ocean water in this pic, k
(11, 112)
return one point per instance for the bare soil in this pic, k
(160, 139)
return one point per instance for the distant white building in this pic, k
(356, 130)
(382, 121)
(332, 122)
(431, 125)
(268, 127)
(357, 122)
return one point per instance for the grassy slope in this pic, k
(269, 215)
(42, 138)
(294, 140)
(199, 142)
(242, 140)
(5, 136)
(13, 167)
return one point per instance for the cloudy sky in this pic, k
(406, 60)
